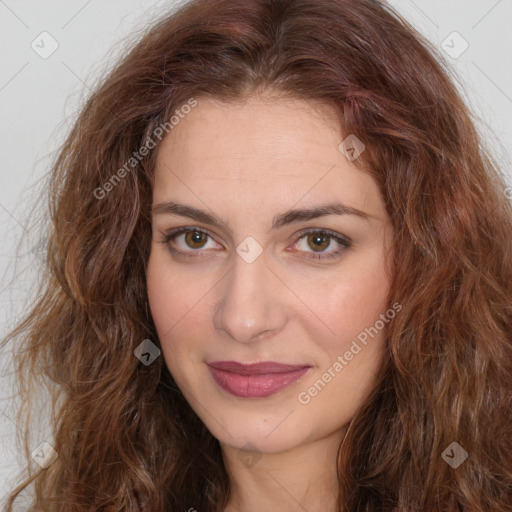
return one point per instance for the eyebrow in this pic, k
(282, 219)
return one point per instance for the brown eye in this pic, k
(318, 242)
(190, 242)
(322, 244)
(195, 239)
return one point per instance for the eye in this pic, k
(188, 240)
(319, 240)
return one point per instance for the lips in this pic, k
(257, 380)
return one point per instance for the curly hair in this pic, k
(125, 436)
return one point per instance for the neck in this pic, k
(302, 477)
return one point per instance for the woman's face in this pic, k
(283, 261)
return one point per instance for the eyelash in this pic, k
(345, 242)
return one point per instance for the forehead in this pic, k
(262, 149)
(260, 127)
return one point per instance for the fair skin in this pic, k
(245, 163)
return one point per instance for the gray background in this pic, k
(39, 98)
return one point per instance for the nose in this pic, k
(251, 304)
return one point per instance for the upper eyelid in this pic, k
(180, 231)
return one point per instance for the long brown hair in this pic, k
(126, 438)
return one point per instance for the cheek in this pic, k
(348, 304)
(162, 296)
(181, 311)
(173, 296)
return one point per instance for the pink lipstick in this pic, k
(257, 380)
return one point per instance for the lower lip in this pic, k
(256, 386)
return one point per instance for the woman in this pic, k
(279, 277)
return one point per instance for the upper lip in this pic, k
(256, 368)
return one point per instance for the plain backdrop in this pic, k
(53, 51)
